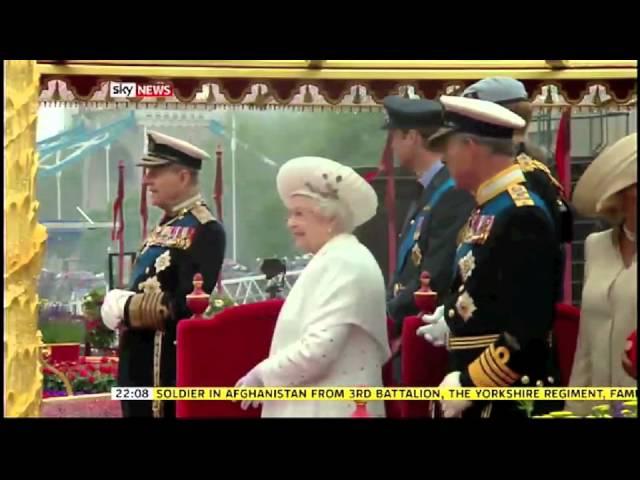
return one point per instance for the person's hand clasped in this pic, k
(250, 380)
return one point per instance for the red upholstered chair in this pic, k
(423, 365)
(217, 352)
(392, 407)
(566, 336)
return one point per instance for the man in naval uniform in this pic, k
(512, 94)
(428, 236)
(187, 241)
(497, 317)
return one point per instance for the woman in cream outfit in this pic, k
(331, 331)
(608, 188)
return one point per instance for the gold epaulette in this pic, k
(520, 195)
(528, 164)
(202, 213)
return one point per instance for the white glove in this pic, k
(453, 408)
(436, 331)
(112, 310)
(251, 379)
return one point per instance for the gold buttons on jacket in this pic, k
(452, 312)
(525, 380)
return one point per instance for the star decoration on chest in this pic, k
(467, 264)
(150, 285)
(163, 261)
(465, 306)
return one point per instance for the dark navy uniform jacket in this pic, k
(189, 242)
(500, 308)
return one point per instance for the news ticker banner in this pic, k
(367, 394)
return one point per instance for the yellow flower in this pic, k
(218, 303)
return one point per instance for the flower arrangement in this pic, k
(98, 335)
(85, 377)
(217, 303)
(616, 410)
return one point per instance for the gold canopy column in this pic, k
(25, 242)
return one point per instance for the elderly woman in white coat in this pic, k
(331, 331)
(607, 189)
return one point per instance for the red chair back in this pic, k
(423, 365)
(565, 331)
(392, 407)
(217, 352)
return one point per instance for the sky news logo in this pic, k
(139, 90)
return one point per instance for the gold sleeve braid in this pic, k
(490, 368)
(147, 311)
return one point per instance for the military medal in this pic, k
(465, 306)
(150, 285)
(163, 261)
(467, 264)
(484, 227)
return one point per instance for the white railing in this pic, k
(253, 289)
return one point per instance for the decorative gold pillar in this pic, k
(24, 242)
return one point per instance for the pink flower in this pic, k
(92, 379)
(84, 373)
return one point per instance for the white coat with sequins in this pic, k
(331, 331)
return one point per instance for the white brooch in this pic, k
(150, 285)
(163, 261)
(465, 306)
(467, 264)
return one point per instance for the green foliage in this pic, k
(217, 303)
(621, 410)
(98, 335)
(62, 332)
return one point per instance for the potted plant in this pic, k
(98, 336)
(217, 303)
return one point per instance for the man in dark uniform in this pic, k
(511, 94)
(187, 241)
(439, 211)
(499, 312)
